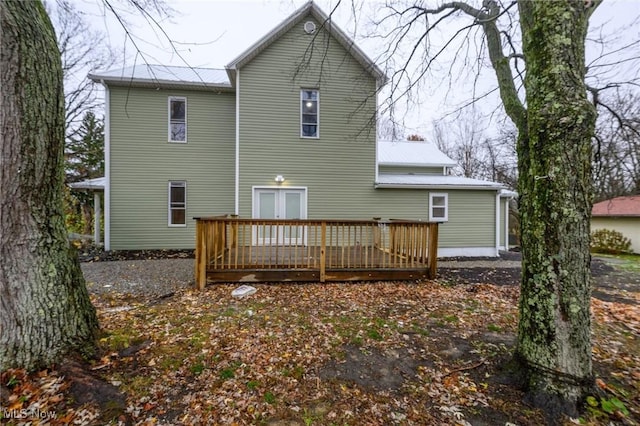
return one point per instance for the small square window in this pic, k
(438, 207)
(177, 119)
(309, 113)
(177, 203)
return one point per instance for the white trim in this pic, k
(433, 186)
(446, 207)
(237, 183)
(107, 168)
(377, 164)
(302, 90)
(278, 189)
(506, 224)
(497, 228)
(169, 186)
(169, 100)
(303, 188)
(467, 252)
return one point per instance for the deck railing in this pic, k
(234, 249)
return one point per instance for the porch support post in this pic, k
(432, 259)
(97, 214)
(201, 255)
(323, 252)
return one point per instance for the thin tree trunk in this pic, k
(45, 308)
(555, 206)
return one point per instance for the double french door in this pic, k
(279, 203)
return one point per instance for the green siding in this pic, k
(143, 162)
(338, 168)
(472, 220)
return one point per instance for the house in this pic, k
(286, 130)
(620, 214)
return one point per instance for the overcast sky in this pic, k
(211, 33)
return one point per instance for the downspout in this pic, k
(107, 167)
(498, 223)
(375, 181)
(237, 188)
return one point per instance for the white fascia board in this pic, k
(143, 82)
(442, 187)
(396, 164)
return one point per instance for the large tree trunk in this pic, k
(45, 308)
(554, 156)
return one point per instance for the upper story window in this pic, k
(177, 119)
(177, 203)
(309, 113)
(438, 207)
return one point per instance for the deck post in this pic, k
(432, 259)
(377, 234)
(234, 235)
(201, 254)
(323, 252)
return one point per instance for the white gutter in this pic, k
(237, 186)
(400, 164)
(107, 167)
(419, 186)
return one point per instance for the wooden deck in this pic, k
(252, 250)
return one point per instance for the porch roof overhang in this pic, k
(171, 77)
(435, 182)
(96, 184)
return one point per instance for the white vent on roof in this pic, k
(309, 27)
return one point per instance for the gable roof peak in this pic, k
(309, 8)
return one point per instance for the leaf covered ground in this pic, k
(417, 353)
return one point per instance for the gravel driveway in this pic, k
(152, 278)
(159, 277)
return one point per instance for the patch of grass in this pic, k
(120, 339)
(253, 385)
(626, 262)
(269, 398)
(418, 329)
(451, 319)
(374, 334)
(229, 372)
(296, 372)
(197, 368)
(495, 328)
(138, 385)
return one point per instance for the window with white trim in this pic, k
(309, 113)
(438, 207)
(177, 119)
(177, 203)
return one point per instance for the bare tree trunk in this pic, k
(45, 308)
(555, 206)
